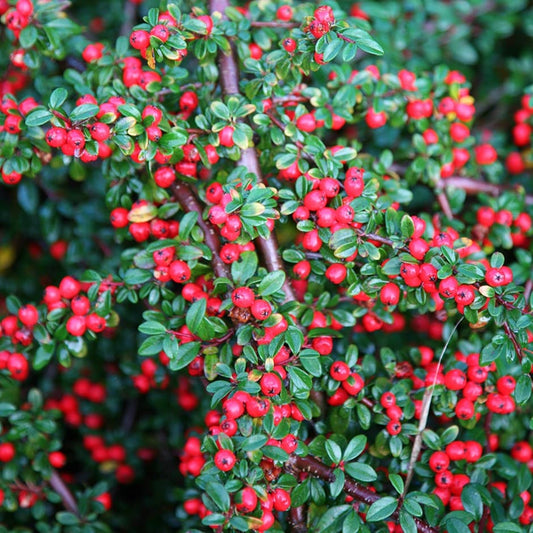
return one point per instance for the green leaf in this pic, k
(67, 519)
(294, 338)
(43, 355)
(83, 112)
(472, 501)
(397, 482)
(195, 315)
(218, 493)
(310, 360)
(186, 353)
(254, 442)
(244, 269)
(361, 472)
(355, 448)
(6, 409)
(220, 110)
(300, 383)
(337, 486)
(333, 49)
(332, 519)
(370, 46)
(407, 522)
(152, 328)
(38, 117)
(58, 97)
(334, 451)
(381, 509)
(271, 283)
(507, 527)
(523, 388)
(28, 196)
(276, 453)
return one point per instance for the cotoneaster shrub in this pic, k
(261, 269)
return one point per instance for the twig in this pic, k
(189, 202)
(317, 469)
(472, 186)
(297, 519)
(426, 404)
(129, 16)
(66, 496)
(229, 80)
(527, 289)
(444, 204)
(274, 24)
(510, 333)
(129, 415)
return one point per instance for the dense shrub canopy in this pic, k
(266, 267)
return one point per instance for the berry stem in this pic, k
(426, 404)
(297, 519)
(229, 79)
(274, 24)
(445, 205)
(317, 469)
(129, 16)
(66, 496)
(189, 202)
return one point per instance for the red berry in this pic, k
(225, 460)
(18, 366)
(284, 13)
(375, 119)
(339, 371)
(261, 309)
(57, 459)
(270, 384)
(389, 294)
(139, 39)
(439, 461)
(179, 271)
(242, 297)
(7, 452)
(225, 136)
(28, 315)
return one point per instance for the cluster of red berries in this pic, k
(14, 114)
(71, 294)
(351, 383)
(113, 455)
(143, 222)
(449, 486)
(147, 380)
(516, 162)
(17, 18)
(70, 407)
(230, 225)
(15, 363)
(520, 225)
(323, 19)
(167, 25)
(192, 459)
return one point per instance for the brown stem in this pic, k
(473, 186)
(189, 202)
(317, 469)
(66, 496)
(344, 38)
(527, 289)
(229, 80)
(444, 205)
(128, 17)
(510, 333)
(274, 24)
(297, 519)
